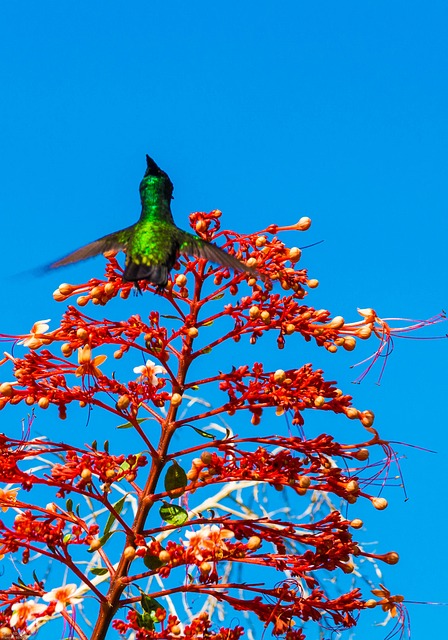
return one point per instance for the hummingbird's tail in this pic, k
(156, 274)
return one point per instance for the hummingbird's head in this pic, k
(155, 178)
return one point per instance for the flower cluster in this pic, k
(156, 528)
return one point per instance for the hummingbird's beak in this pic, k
(151, 168)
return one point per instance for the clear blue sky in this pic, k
(267, 111)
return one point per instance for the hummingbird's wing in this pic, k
(112, 242)
(193, 245)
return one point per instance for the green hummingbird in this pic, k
(154, 242)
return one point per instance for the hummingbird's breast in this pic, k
(153, 242)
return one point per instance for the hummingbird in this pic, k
(154, 242)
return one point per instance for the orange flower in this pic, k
(35, 338)
(388, 602)
(7, 498)
(87, 365)
(62, 596)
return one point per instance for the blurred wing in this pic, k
(112, 242)
(203, 249)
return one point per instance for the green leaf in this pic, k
(207, 324)
(69, 505)
(118, 506)
(173, 514)
(128, 425)
(94, 445)
(204, 434)
(168, 317)
(144, 621)
(175, 478)
(124, 466)
(99, 571)
(152, 562)
(102, 541)
(149, 604)
(106, 446)
(220, 296)
(67, 538)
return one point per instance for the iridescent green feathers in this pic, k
(154, 242)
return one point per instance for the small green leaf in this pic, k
(106, 446)
(208, 324)
(220, 296)
(94, 445)
(118, 506)
(69, 505)
(124, 466)
(99, 571)
(128, 425)
(204, 434)
(173, 514)
(175, 478)
(67, 538)
(168, 317)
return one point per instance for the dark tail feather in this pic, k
(156, 274)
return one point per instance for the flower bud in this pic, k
(254, 312)
(391, 558)
(349, 343)
(313, 283)
(129, 553)
(192, 332)
(371, 604)
(164, 556)
(206, 457)
(352, 486)
(58, 296)
(364, 332)
(379, 503)
(303, 224)
(367, 418)
(43, 403)
(356, 523)
(337, 323)
(279, 376)
(295, 254)
(6, 389)
(86, 475)
(253, 543)
(123, 402)
(66, 289)
(176, 399)
(319, 401)
(260, 241)
(66, 349)
(180, 280)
